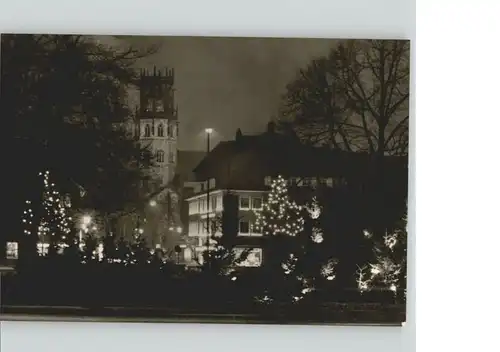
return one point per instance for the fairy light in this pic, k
(55, 222)
(289, 265)
(384, 271)
(279, 214)
(328, 269)
(317, 235)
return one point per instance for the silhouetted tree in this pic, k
(61, 98)
(354, 99)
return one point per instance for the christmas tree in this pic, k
(53, 224)
(280, 215)
(388, 270)
(302, 266)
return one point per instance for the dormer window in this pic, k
(160, 130)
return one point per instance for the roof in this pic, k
(285, 154)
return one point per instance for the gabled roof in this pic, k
(285, 154)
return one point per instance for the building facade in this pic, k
(245, 168)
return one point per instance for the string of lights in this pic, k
(55, 222)
(279, 214)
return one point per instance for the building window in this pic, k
(169, 130)
(171, 158)
(214, 203)
(160, 130)
(159, 106)
(43, 248)
(244, 227)
(253, 259)
(244, 202)
(306, 182)
(12, 250)
(147, 131)
(160, 156)
(256, 203)
(177, 131)
(329, 182)
(150, 105)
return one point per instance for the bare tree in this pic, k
(355, 99)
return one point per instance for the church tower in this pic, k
(157, 123)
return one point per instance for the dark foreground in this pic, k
(344, 314)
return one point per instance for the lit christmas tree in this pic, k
(298, 268)
(388, 271)
(279, 214)
(54, 224)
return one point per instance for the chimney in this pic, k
(271, 127)
(239, 135)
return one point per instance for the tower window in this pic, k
(160, 130)
(160, 156)
(159, 106)
(147, 131)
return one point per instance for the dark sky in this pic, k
(228, 83)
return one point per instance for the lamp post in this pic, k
(208, 131)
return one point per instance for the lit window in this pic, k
(253, 259)
(244, 202)
(160, 130)
(43, 248)
(244, 227)
(12, 251)
(329, 182)
(256, 203)
(159, 106)
(147, 131)
(160, 156)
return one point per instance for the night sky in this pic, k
(227, 83)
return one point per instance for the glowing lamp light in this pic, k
(179, 229)
(141, 231)
(393, 288)
(209, 130)
(153, 203)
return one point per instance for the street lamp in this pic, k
(208, 131)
